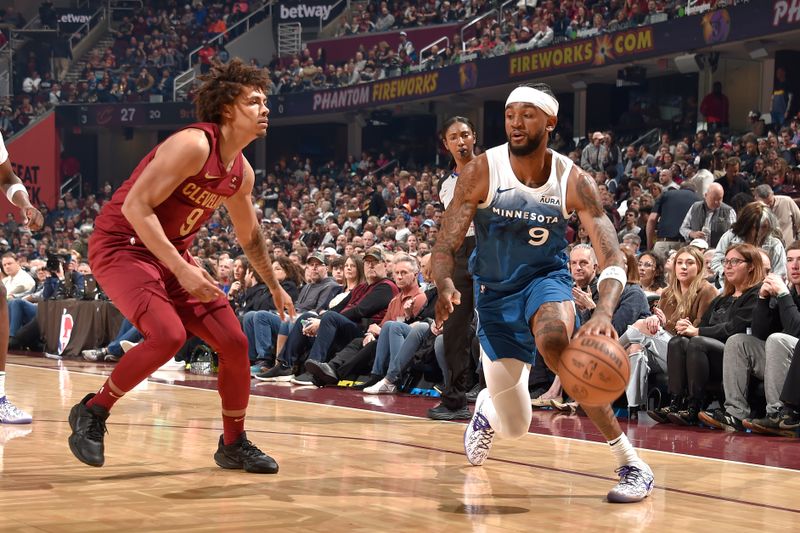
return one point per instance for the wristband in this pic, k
(13, 189)
(614, 272)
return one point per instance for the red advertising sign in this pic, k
(34, 156)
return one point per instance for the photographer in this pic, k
(64, 280)
(59, 280)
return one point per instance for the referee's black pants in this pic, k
(457, 341)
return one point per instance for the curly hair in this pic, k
(223, 84)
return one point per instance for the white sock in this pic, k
(2, 384)
(625, 454)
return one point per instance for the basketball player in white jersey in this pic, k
(519, 196)
(17, 194)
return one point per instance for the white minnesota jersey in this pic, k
(520, 230)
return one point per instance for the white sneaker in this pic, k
(173, 365)
(127, 345)
(11, 414)
(479, 434)
(382, 387)
(635, 484)
(94, 355)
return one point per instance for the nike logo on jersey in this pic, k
(499, 190)
(210, 177)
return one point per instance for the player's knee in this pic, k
(514, 427)
(235, 343)
(169, 340)
(552, 341)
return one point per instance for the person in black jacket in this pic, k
(766, 354)
(695, 355)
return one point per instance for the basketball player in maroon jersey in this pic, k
(138, 253)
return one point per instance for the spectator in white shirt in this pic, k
(17, 282)
(544, 37)
(31, 83)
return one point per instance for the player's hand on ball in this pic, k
(199, 284)
(283, 302)
(598, 325)
(33, 218)
(448, 298)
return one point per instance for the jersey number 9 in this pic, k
(191, 220)
(538, 236)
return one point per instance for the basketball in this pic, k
(594, 370)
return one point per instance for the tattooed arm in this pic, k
(583, 197)
(248, 232)
(471, 189)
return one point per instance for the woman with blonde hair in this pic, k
(694, 355)
(687, 296)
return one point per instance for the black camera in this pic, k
(56, 260)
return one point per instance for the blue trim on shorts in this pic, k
(504, 317)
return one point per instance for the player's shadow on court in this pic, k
(450, 496)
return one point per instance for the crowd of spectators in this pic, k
(524, 26)
(337, 219)
(151, 46)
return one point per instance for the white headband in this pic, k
(535, 97)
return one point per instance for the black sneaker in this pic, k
(323, 373)
(276, 373)
(472, 395)
(441, 412)
(88, 430)
(686, 417)
(372, 380)
(720, 419)
(661, 415)
(244, 455)
(785, 423)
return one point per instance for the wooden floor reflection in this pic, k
(343, 470)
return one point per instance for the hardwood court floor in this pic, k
(343, 469)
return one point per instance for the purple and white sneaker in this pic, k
(635, 484)
(479, 433)
(11, 414)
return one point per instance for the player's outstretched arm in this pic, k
(584, 198)
(10, 182)
(471, 189)
(248, 232)
(179, 157)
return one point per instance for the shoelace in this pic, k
(629, 475)
(97, 429)
(249, 449)
(484, 430)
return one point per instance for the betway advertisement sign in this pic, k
(70, 20)
(309, 12)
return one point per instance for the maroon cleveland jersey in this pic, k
(189, 206)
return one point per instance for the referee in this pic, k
(458, 136)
